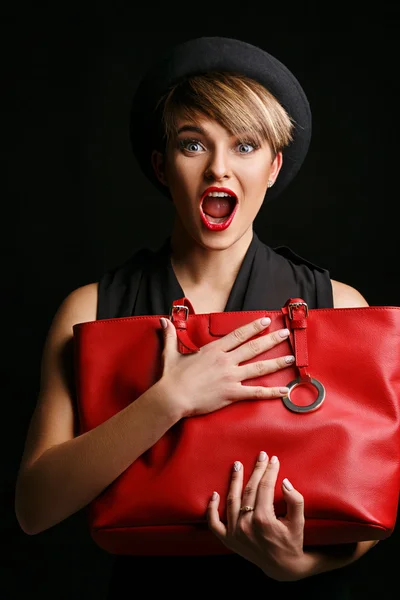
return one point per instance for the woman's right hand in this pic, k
(212, 378)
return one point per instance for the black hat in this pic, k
(206, 54)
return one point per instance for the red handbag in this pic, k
(336, 433)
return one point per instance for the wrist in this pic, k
(328, 558)
(169, 398)
(312, 564)
(300, 568)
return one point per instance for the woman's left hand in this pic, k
(273, 544)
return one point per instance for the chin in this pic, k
(220, 241)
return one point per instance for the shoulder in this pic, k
(345, 296)
(80, 305)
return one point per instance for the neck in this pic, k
(194, 265)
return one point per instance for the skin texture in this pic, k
(201, 257)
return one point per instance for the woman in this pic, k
(220, 127)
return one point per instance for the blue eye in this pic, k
(190, 145)
(246, 148)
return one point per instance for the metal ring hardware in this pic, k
(310, 407)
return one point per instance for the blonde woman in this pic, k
(221, 127)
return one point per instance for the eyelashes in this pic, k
(184, 144)
(254, 146)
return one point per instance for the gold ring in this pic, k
(246, 508)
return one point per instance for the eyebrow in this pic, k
(193, 128)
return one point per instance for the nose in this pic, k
(218, 167)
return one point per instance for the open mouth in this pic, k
(218, 207)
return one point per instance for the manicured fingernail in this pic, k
(237, 465)
(289, 359)
(283, 390)
(273, 459)
(262, 456)
(265, 321)
(287, 484)
(214, 496)
(284, 332)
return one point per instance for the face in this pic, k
(204, 155)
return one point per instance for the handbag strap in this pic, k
(184, 302)
(295, 312)
(180, 310)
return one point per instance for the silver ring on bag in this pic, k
(246, 508)
(310, 407)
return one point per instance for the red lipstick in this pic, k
(225, 224)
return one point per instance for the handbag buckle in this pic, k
(179, 307)
(290, 309)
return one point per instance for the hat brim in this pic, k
(206, 54)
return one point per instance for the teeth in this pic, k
(219, 195)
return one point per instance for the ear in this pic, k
(276, 166)
(158, 163)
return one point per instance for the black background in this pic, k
(75, 204)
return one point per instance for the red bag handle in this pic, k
(179, 315)
(295, 312)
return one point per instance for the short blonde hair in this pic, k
(238, 103)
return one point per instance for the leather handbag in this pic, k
(336, 432)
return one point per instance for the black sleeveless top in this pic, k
(146, 284)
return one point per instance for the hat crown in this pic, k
(205, 54)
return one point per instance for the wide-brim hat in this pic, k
(204, 54)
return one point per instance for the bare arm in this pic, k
(334, 557)
(62, 472)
